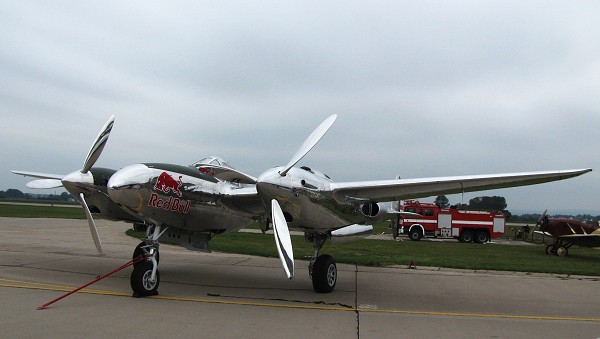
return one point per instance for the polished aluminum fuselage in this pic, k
(185, 198)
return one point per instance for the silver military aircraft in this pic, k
(188, 205)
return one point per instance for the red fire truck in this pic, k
(464, 225)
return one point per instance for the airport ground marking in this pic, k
(10, 283)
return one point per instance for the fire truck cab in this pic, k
(464, 225)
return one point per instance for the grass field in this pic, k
(41, 211)
(522, 258)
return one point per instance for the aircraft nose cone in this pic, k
(77, 179)
(124, 186)
(271, 185)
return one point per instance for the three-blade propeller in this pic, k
(282, 233)
(79, 181)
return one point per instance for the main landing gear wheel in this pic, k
(139, 251)
(141, 282)
(324, 274)
(562, 251)
(550, 249)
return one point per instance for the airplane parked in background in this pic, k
(566, 233)
(188, 205)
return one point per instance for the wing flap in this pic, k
(402, 189)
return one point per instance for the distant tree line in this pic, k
(497, 203)
(12, 193)
(494, 203)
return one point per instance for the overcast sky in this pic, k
(421, 88)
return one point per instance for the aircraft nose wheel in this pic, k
(141, 280)
(143, 248)
(324, 274)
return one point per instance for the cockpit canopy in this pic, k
(212, 160)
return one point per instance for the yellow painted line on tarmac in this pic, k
(61, 288)
(483, 315)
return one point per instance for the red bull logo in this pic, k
(166, 183)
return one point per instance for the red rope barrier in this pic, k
(132, 262)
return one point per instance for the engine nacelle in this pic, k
(375, 211)
(369, 209)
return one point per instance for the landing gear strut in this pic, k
(322, 268)
(559, 247)
(145, 277)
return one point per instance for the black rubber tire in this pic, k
(482, 237)
(140, 283)
(324, 274)
(466, 236)
(415, 234)
(550, 249)
(138, 251)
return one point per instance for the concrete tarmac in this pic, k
(236, 296)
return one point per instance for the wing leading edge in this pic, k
(401, 189)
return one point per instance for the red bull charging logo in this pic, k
(165, 183)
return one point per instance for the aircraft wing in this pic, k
(402, 189)
(543, 233)
(585, 240)
(244, 199)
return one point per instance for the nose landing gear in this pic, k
(322, 268)
(145, 277)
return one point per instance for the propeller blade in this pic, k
(91, 223)
(98, 145)
(44, 183)
(282, 239)
(539, 222)
(309, 143)
(38, 175)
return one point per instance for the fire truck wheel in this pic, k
(466, 236)
(481, 237)
(415, 234)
